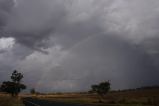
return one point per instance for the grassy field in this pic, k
(126, 98)
(7, 100)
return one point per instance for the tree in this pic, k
(13, 87)
(16, 77)
(32, 91)
(101, 89)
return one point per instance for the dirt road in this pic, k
(38, 102)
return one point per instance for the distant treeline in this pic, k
(148, 87)
(156, 87)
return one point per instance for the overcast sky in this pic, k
(68, 45)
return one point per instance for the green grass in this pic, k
(6, 100)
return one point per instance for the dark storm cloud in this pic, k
(87, 41)
(104, 58)
(6, 5)
(5, 8)
(32, 22)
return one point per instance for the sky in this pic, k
(68, 45)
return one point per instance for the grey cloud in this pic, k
(9, 60)
(87, 41)
(6, 5)
(5, 8)
(104, 58)
(33, 21)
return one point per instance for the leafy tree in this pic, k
(101, 89)
(13, 87)
(16, 77)
(8, 87)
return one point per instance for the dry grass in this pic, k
(129, 98)
(7, 100)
